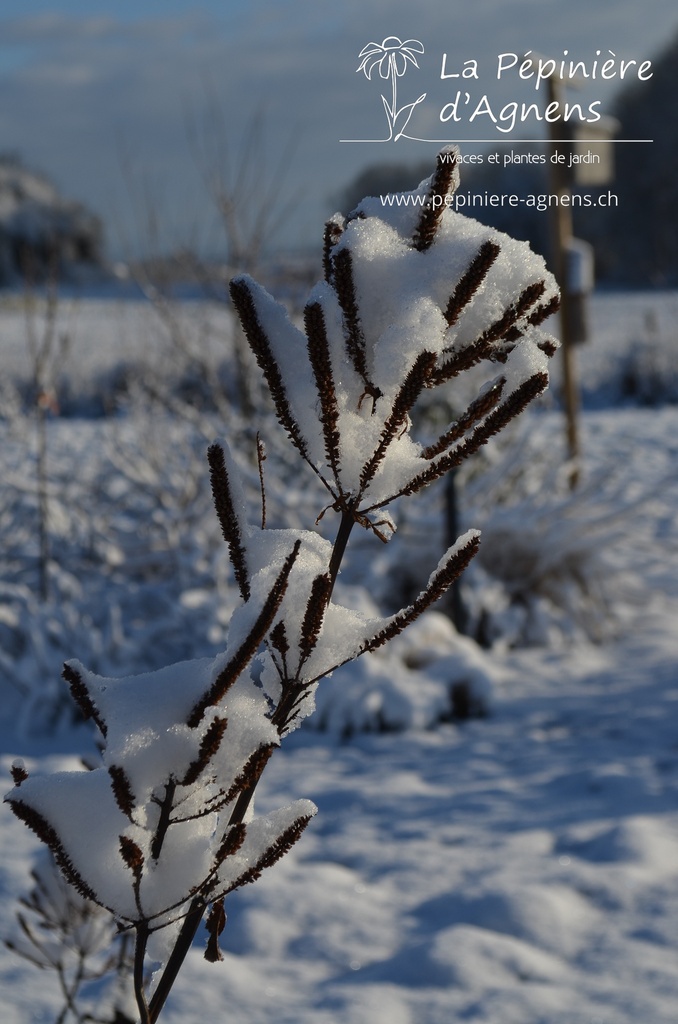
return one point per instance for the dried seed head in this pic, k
(488, 346)
(81, 697)
(495, 421)
(314, 614)
(278, 638)
(476, 411)
(122, 789)
(48, 835)
(132, 856)
(321, 365)
(272, 855)
(231, 843)
(334, 229)
(209, 746)
(248, 647)
(414, 383)
(438, 585)
(344, 285)
(252, 769)
(442, 185)
(515, 311)
(228, 520)
(215, 923)
(18, 771)
(261, 346)
(544, 311)
(471, 280)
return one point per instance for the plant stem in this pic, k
(192, 920)
(339, 549)
(43, 504)
(164, 820)
(139, 957)
(176, 959)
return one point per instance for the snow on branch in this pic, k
(413, 295)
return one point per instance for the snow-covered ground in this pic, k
(517, 868)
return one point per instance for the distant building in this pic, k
(43, 235)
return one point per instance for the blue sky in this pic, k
(105, 95)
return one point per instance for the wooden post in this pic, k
(561, 226)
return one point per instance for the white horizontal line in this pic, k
(514, 142)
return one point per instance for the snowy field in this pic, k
(516, 867)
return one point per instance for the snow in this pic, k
(514, 868)
(394, 296)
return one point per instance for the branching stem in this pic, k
(339, 549)
(139, 958)
(164, 820)
(195, 914)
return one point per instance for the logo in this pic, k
(493, 110)
(391, 58)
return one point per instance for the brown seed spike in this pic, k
(18, 773)
(321, 365)
(334, 229)
(549, 346)
(81, 697)
(434, 206)
(228, 520)
(215, 923)
(529, 296)
(493, 423)
(278, 638)
(458, 362)
(48, 835)
(314, 614)
(471, 280)
(542, 313)
(344, 286)
(122, 789)
(414, 383)
(438, 585)
(248, 648)
(260, 345)
(515, 311)
(476, 410)
(133, 857)
(231, 843)
(209, 746)
(272, 855)
(250, 774)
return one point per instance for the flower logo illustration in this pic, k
(392, 57)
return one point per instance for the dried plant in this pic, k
(47, 350)
(414, 294)
(62, 931)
